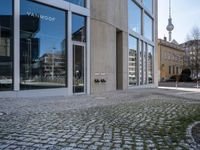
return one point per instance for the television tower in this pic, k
(170, 26)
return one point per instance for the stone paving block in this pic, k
(132, 120)
(67, 148)
(4, 146)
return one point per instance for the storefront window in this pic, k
(6, 44)
(77, 2)
(132, 61)
(148, 4)
(42, 46)
(148, 27)
(134, 17)
(150, 64)
(78, 28)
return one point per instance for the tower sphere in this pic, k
(170, 26)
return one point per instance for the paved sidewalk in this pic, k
(186, 93)
(134, 119)
(197, 90)
(179, 84)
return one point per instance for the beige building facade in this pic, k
(170, 59)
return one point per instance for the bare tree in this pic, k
(194, 52)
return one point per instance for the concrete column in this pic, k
(16, 45)
(125, 60)
(70, 55)
(156, 61)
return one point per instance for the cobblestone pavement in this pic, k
(139, 119)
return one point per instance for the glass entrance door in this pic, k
(78, 68)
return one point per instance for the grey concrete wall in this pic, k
(103, 56)
(108, 17)
(125, 60)
(113, 12)
(122, 60)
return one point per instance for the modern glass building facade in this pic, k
(49, 46)
(141, 24)
(40, 42)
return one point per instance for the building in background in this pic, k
(170, 59)
(76, 46)
(192, 56)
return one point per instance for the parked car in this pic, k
(196, 79)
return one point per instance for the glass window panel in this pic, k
(42, 46)
(78, 69)
(134, 17)
(78, 28)
(145, 64)
(169, 69)
(141, 63)
(150, 64)
(177, 70)
(148, 27)
(78, 2)
(132, 61)
(148, 4)
(6, 44)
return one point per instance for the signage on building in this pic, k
(42, 17)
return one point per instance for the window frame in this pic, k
(58, 4)
(11, 47)
(143, 42)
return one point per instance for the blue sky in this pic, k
(185, 15)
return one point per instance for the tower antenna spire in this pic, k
(170, 26)
(170, 9)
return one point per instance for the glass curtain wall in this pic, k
(148, 27)
(79, 39)
(78, 2)
(6, 45)
(78, 28)
(42, 46)
(134, 17)
(145, 64)
(142, 58)
(148, 4)
(150, 64)
(132, 64)
(141, 63)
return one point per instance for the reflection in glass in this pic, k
(77, 2)
(145, 64)
(148, 4)
(150, 64)
(134, 17)
(6, 37)
(78, 69)
(148, 27)
(78, 28)
(132, 65)
(141, 63)
(42, 46)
